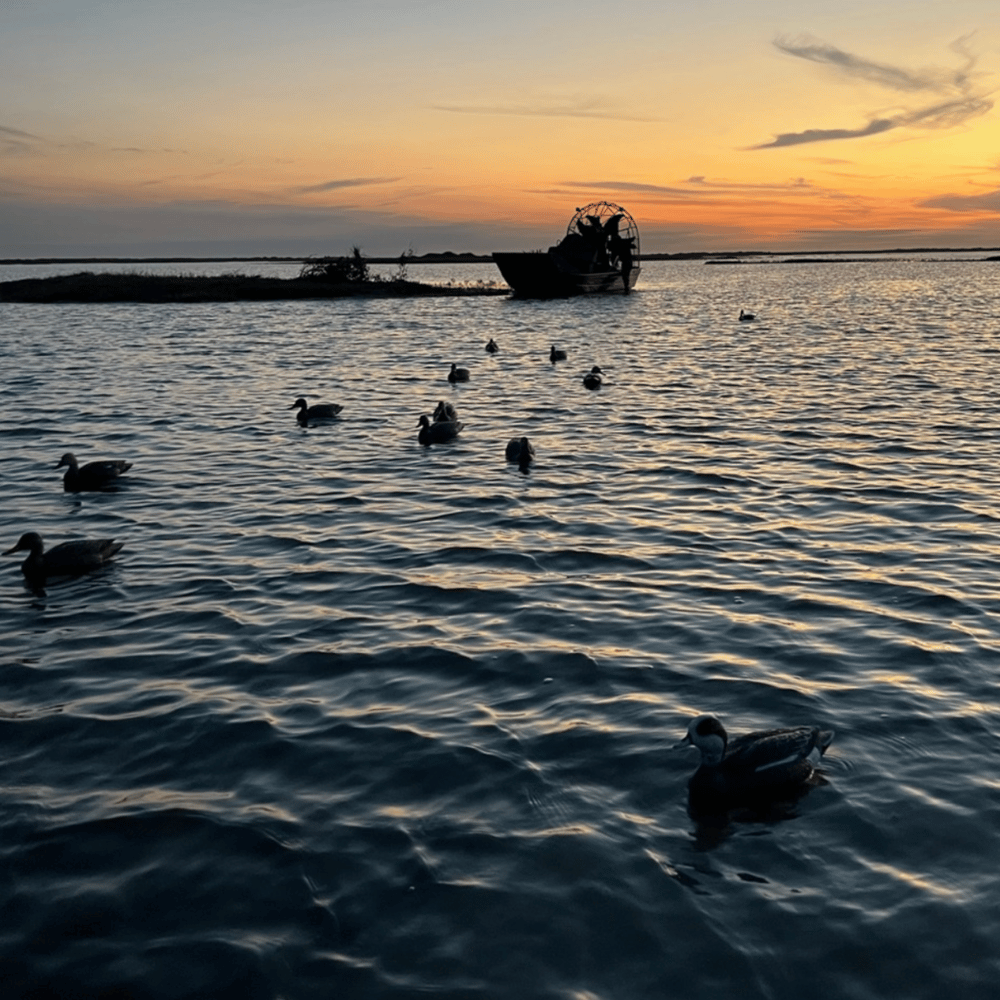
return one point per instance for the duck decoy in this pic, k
(444, 412)
(745, 317)
(439, 431)
(754, 767)
(458, 374)
(592, 380)
(556, 355)
(318, 411)
(93, 475)
(66, 559)
(491, 346)
(520, 450)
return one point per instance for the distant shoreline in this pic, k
(450, 257)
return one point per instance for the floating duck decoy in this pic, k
(755, 767)
(444, 412)
(592, 380)
(66, 559)
(439, 431)
(491, 346)
(93, 475)
(745, 317)
(458, 374)
(556, 355)
(520, 450)
(318, 411)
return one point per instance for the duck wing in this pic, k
(778, 750)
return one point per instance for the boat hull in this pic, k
(549, 276)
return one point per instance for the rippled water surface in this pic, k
(352, 717)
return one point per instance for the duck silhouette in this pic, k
(458, 374)
(318, 411)
(491, 346)
(753, 768)
(439, 431)
(556, 354)
(444, 412)
(81, 555)
(593, 380)
(745, 317)
(520, 450)
(93, 475)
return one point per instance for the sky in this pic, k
(137, 128)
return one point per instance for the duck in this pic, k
(318, 411)
(759, 766)
(439, 431)
(592, 380)
(444, 412)
(491, 346)
(520, 450)
(93, 475)
(458, 374)
(745, 317)
(66, 559)
(556, 354)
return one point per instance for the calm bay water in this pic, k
(350, 717)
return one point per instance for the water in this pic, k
(352, 717)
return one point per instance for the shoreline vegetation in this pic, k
(334, 277)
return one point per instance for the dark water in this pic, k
(351, 717)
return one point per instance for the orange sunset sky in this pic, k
(291, 128)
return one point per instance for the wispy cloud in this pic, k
(584, 107)
(957, 103)
(987, 201)
(347, 182)
(14, 142)
(695, 187)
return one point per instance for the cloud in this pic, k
(14, 142)
(579, 108)
(957, 103)
(988, 201)
(348, 182)
(697, 187)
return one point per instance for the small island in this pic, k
(319, 278)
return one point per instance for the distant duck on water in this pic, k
(754, 767)
(491, 346)
(438, 431)
(745, 317)
(444, 412)
(556, 354)
(593, 380)
(318, 411)
(458, 374)
(93, 475)
(520, 450)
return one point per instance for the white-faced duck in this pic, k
(439, 431)
(66, 559)
(318, 411)
(592, 380)
(755, 767)
(458, 374)
(93, 475)
(556, 354)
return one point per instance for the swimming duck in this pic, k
(745, 317)
(520, 450)
(93, 475)
(439, 431)
(65, 559)
(491, 346)
(458, 374)
(444, 412)
(592, 380)
(556, 355)
(771, 764)
(318, 411)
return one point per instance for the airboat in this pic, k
(598, 255)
